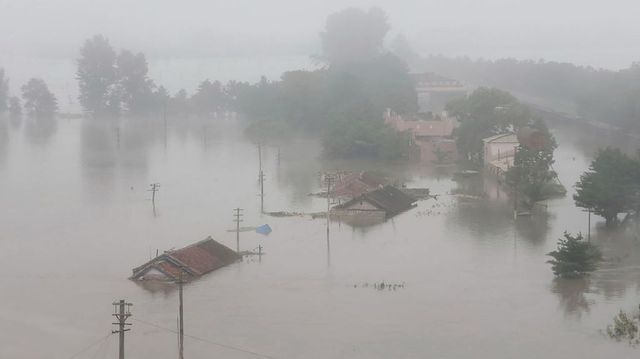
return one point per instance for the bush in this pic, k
(574, 257)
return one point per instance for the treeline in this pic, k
(36, 99)
(342, 102)
(595, 94)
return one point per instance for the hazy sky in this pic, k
(601, 33)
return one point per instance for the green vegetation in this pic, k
(610, 186)
(624, 327)
(111, 83)
(484, 113)
(532, 174)
(39, 102)
(574, 257)
(595, 94)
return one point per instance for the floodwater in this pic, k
(76, 218)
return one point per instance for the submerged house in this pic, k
(499, 151)
(432, 135)
(379, 204)
(356, 184)
(194, 261)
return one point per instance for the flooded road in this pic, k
(76, 217)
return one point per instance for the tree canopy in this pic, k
(39, 102)
(484, 113)
(610, 186)
(97, 75)
(354, 35)
(574, 257)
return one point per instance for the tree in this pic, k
(97, 77)
(574, 257)
(135, 86)
(610, 186)
(400, 47)
(4, 91)
(484, 113)
(354, 35)
(178, 105)
(209, 98)
(39, 102)
(531, 173)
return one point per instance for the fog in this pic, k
(584, 32)
(319, 179)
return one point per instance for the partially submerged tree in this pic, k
(532, 174)
(39, 102)
(136, 89)
(97, 76)
(610, 186)
(484, 113)
(624, 327)
(574, 258)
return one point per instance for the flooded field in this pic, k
(76, 217)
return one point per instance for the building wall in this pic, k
(498, 150)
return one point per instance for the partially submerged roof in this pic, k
(356, 184)
(388, 199)
(194, 260)
(502, 138)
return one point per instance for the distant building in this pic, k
(435, 91)
(379, 204)
(194, 261)
(433, 135)
(499, 152)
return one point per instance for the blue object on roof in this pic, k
(264, 229)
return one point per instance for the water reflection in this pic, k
(4, 139)
(572, 294)
(38, 131)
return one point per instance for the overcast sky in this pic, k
(600, 33)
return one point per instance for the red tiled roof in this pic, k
(204, 256)
(197, 259)
(356, 184)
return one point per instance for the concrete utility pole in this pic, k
(237, 219)
(180, 311)
(261, 191)
(260, 253)
(155, 187)
(121, 314)
(329, 179)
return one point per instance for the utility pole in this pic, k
(122, 313)
(261, 191)
(155, 187)
(260, 253)
(180, 312)
(237, 219)
(329, 179)
(589, 225)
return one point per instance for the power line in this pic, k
(207, 340)
(91, 346)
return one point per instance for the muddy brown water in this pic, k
(76, 217)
